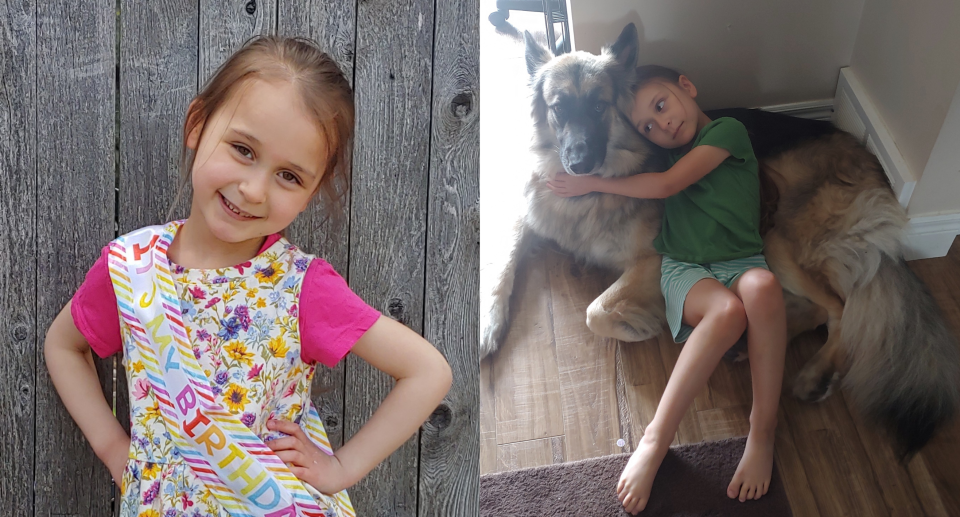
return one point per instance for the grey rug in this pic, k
(691, 482)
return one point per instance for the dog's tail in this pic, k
(904, 362)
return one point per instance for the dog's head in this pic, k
(579, 99)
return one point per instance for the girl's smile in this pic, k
(233, 210)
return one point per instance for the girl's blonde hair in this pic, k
(324, 91)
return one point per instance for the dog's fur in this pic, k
(834, 243)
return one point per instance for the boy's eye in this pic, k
(243, 150)
(660, 106)
(647, 128)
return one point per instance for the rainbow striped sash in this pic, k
(246, 477)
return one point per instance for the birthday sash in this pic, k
(245, 475)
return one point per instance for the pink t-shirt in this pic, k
(337, 316)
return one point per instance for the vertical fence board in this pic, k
(332, 26)
(75, 185)
(387, 231)
(226, 24)
(18, 248)
(158, 77)
(450, 441)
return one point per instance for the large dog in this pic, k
(834, 242)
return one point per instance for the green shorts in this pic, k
(676, 279)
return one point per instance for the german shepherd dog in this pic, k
(833, 240)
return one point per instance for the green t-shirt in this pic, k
(718, 217)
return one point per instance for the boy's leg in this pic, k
(762, 299)
(719, 319)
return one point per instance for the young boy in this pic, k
(715, 281)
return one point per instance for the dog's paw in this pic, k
(493, 325)
(813, 385)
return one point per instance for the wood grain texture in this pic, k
(526, 379)
(388, 215)
(531, 453)
(323, 230)
(450, 440)
(19, 343)
(586, 364)
(226, 24)
(76, 106)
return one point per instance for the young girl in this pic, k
(222, 321)
(714, 280)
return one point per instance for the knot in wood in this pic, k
(461, 105)
(20, 332)
(441, 417)
(395, 308)
(251, 7)
(331, 423)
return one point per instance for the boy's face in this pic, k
(666, 113)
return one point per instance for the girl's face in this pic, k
(258, 162)
(666, 113)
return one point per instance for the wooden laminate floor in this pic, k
(555, 392)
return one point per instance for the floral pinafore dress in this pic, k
(243, 324)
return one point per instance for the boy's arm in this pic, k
(74, 375)
(656, 185)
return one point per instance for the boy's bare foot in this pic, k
(752, 478)
(633, 489)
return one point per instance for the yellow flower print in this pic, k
(137, 366)
(149, 513)
(227, 296)
(238, 352)
(153, 411)
(236, 398)
(150, 471)
(271, 273)
(261, 303)
(278, 347)
(252, 293)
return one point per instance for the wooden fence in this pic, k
(92, 97)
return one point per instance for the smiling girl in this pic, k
(222, 321)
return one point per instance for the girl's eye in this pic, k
(660, 106)
(243, 150)
(647, 128)
(289, 176)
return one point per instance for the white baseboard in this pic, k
(817, 110)
(930, 236)
(856, 114)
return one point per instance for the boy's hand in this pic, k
(305, 460)
(565, 185)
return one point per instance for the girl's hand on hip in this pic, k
(116, 459)
(565, 185)
(305, 460)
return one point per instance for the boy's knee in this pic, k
(761, 287)
(733, 315)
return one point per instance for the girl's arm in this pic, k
(656, 185)
(423, 379)
(74, 375)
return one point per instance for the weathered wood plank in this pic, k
(388, 212)
(450, 440)
(225, 25)
(18, 249)
(318, 230)
(76, 119)
(488, 419)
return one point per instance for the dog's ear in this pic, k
(625, 49)
(537, 56)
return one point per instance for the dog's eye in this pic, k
(557, 109)
(600, 107)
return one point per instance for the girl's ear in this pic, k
(687, 86)
(194, 124)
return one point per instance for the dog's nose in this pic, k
(578, 158)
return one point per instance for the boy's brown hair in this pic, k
(646, 73)
(324, 91)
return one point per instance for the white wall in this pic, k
(907, 58)
(738, 52)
